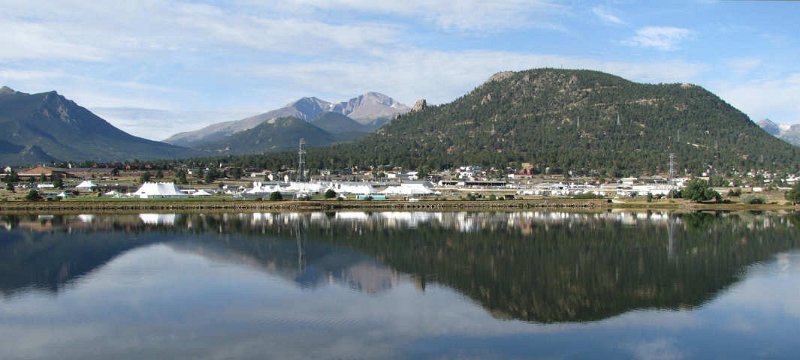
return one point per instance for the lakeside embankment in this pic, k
(328, 205)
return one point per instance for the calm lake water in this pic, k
(400, 285)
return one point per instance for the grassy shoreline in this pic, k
(333, 205)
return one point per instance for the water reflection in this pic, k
(533, 266)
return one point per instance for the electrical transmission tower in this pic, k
(301, 160)
(671, 173)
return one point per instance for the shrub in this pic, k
(330, 194)
(753, 200)
(33, 195)
(588, 196)
(735, 192)
(793, 195)
(276, 196)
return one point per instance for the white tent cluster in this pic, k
(410, 189)
(151, 190)
(358, 188)
(261, 189)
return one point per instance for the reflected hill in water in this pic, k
(533, 266)
(50, 252)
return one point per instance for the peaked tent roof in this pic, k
(86, 184)
(159, 189)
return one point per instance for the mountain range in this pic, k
(786, 132)
(366, 113)
(48, 127)
(560, 121)
(583, 121)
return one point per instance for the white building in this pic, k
(159, 190)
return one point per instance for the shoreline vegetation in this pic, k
(390, 205)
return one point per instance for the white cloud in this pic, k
(664, 38)
(158, 124)
(441, 76)
(657, 349)
(744, 66)
(773, 98)
(280, 34)
(10, 75)
(457, 15)
(606, 16)
(24, 40)
(93, 31)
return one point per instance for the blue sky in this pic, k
(157, 67)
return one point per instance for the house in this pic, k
(409, 176)
(86, 173)
(151, 190)
(43, 170)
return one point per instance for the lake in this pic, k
(476, 285)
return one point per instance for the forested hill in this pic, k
(585, 121)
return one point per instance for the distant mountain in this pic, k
(788, 133)
(583, 121)
(272, 135)
(371, 109)
(47, 127)
(770, 127)
(336, 123)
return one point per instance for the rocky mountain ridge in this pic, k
(786, 132)
(371, 110)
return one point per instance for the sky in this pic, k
(157, 67)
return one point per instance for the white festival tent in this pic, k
(86, 185)
(414, 188)
(261, 189)
(201, 193)
(151, 190)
